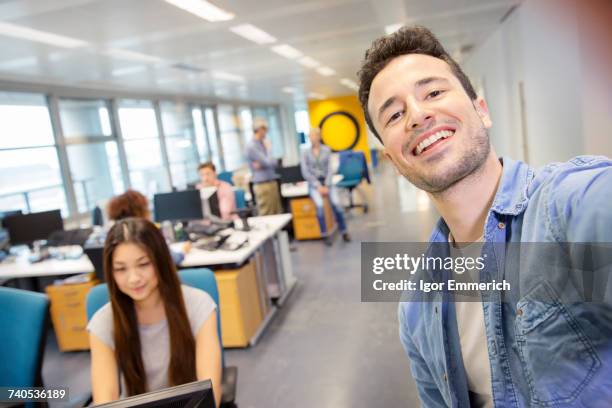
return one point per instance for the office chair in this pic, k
(352, 168)
(226, 176)
(24, 322)
(240, 196)
(203, 279)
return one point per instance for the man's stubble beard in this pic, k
(472, 159)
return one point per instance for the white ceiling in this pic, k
(334, 32)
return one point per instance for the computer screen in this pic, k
(4, 214)
(210, 202)
(27, 228)
(197, 394)
(178, 206)
(292, 174)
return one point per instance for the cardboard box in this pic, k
(69, 314)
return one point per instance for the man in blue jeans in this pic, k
(548, 342)
(318, 172)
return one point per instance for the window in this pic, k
(200, 134)
(230, 137)
(180, 143)
(92, 152)
(30, 175)
(213, 137)
(142, 147)
(246, 123)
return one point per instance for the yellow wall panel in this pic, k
(338, 131)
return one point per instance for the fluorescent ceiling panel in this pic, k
(128, 70)
(252, 33)
(309, 62)
(25, 33)
(131, 55)
(326, 71)
(203, 9)
(286, 51)
(226, 76)
(391, 28)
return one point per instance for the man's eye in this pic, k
(394, 117)
(435, 93)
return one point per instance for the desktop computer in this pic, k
(291, 174)
(210, 202)
(27, 228)
(197, 394)
(178, 206)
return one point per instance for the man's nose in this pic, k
(420, 116)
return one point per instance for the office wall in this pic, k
(538, 49)
(339, 132)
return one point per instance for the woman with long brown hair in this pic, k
(154, 332)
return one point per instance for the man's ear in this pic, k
(483, 111)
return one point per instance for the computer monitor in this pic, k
(4, 214)
(178, 206)
(292, 174)
(197, 394)
(27, 228)
(210, 202)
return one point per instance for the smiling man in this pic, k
(549, 342)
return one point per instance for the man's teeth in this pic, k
(443, 134)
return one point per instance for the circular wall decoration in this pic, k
(352, 139)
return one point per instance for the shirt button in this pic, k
(519, 312)
(501, 225)
(444, 377)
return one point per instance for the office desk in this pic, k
(267, 250)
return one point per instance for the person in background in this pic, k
(134, 204)
(225, 192)
(263, 165)
(317, 171)
(154, 333)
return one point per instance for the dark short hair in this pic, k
(207, 165)
(407, 40)
(129, 204)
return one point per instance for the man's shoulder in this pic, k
(573, 177)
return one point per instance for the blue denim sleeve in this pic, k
(429, 393)
(580, 202)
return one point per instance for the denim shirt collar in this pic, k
(510, 199)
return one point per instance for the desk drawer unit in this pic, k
(305, 223)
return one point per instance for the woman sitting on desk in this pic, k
(134, 204)
(318, 172)
(154, 333)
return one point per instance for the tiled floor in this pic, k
(325, 348)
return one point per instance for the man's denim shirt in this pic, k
(543, 351)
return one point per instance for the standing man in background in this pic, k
(263, 165)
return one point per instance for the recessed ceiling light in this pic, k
(326, 71)
(128, 70)
(288, 89)
(202, 9)
(286, 51)
(315, 95)
(309, 62)
(391, 28)
(252, 33)
(25, 33)
(349, 84)
(226, 76)
(131, 55)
